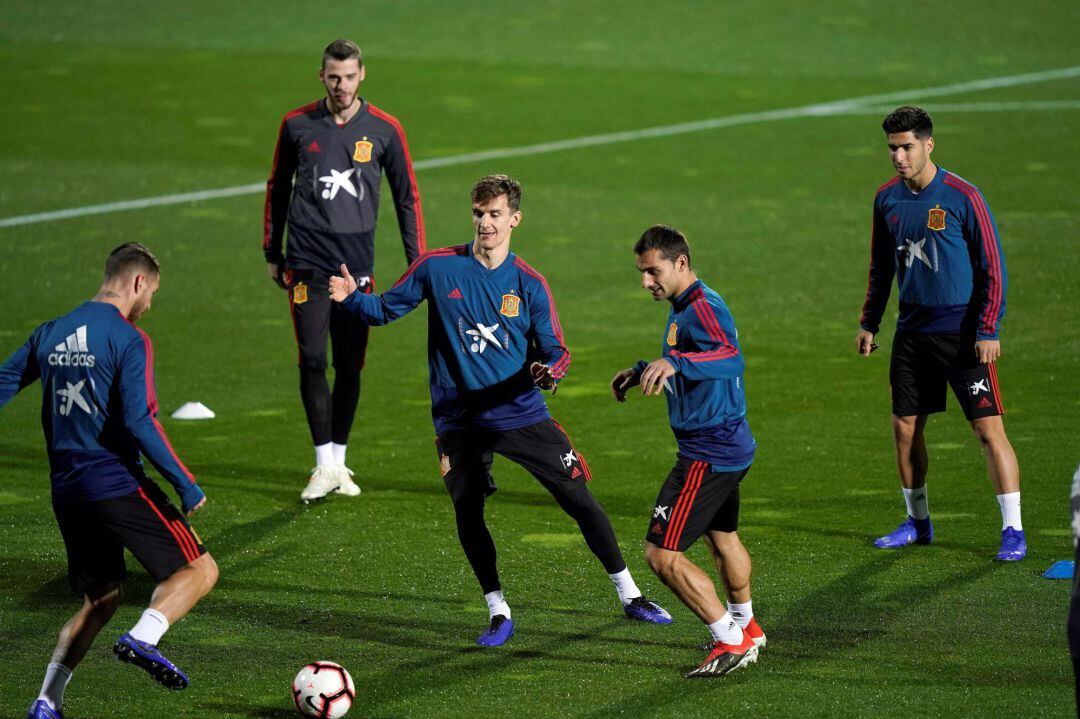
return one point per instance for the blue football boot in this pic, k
(912, 531)
(41, 710)
(641, 609)
(1013, 545)
(130, 650)
(498, 632)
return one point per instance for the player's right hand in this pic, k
(622, 382)
(197, 507)
(277, 274)
(342, 287)
(864, 342)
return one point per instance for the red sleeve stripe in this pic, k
(706, 356)
(683, 505)
(524, 266)
(152, 404)
(421, 236)
(185, 549)
(559, 368)
(990, 247)
(441, 252)
(708, 319)
(267, 210)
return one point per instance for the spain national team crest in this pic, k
(511, 305)
(299, 294)
(363, 151)
(671, 333)
(936, 220)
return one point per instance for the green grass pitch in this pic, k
(106, 101)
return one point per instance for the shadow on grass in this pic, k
(841, 615)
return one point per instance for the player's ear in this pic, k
(363, 72)
(929, 145)
(515, 219)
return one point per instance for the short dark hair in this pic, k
(131, 258)
(489, 188)
(670, 242)
(909, 119)
(342, 50)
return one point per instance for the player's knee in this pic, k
(904, 429)
(208, 572)
(313, 361)
(105, 601)
(661, 561)
(988, 430)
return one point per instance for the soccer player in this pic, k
(701, 370)
(337, 149)
(99, 413)
(934, 231)
(494, 339)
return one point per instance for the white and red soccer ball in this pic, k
(324, 690)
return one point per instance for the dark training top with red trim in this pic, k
(485, 327)
(943, 246)
(332, 206)
(98, 407)
(706, 398)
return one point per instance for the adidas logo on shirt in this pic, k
(73, 352)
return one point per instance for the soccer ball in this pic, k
(324, 690)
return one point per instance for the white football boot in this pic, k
(348, 487)
(324, 480)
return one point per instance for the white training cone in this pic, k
(193, 410)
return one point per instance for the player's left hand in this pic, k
(197, 507)
(541, 374)
(987, 351)
(654, 379)
(342, 287)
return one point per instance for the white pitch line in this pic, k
(950, 107)
(837, 107)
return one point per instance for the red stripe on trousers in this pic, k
(994, 385)
(179, 543)
(683, 505)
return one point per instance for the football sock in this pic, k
(741, 613)
(324, 455)
(497, 604)
(625, 586)
(339, 452)
(151, 625)
(917, 503)
(57, 677)
(726, 630)
(1010, 510)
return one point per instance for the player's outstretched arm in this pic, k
(623, 382)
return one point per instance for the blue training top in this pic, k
(485, 327)
(707, 406)
(943, 246)
(98, 405)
